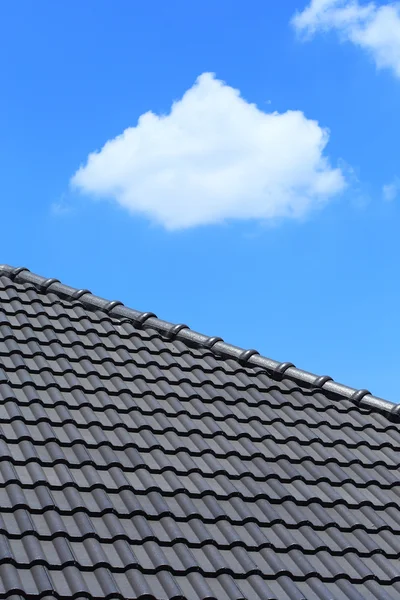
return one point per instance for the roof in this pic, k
(142, 460)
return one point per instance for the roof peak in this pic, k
(251, 358)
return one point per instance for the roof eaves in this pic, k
(182, 332)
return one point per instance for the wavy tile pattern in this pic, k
(135, 467)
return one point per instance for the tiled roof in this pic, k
(141, 460)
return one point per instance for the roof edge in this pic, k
(276, 369)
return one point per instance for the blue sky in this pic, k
(269, 218)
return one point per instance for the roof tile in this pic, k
(134, 465)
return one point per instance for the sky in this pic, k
(232, 166)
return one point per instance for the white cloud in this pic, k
(391, 190)
(214, 157)
(61, 206)
(374, 28)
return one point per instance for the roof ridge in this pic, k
(252, 358)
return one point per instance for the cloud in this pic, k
(214, 157)
(390, 191)
(374, 28)
(61, 206)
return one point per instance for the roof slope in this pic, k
(145, 461)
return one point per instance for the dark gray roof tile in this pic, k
(136, 466)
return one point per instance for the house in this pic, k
(143, 460)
